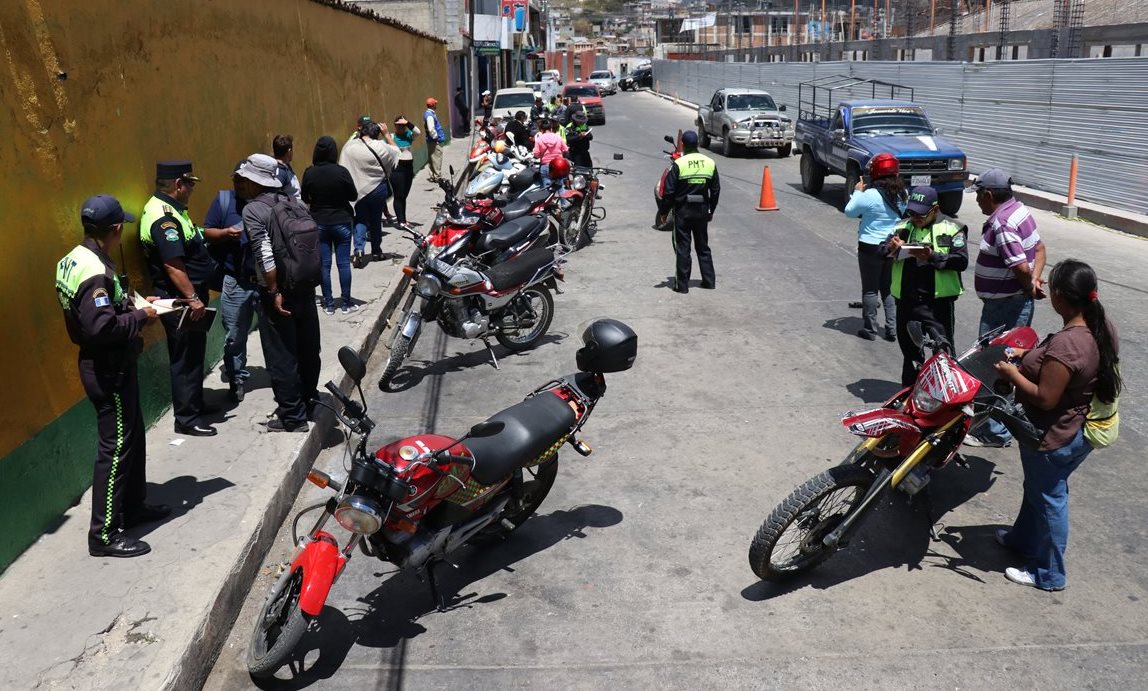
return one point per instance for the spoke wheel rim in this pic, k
(528, 305)
(801, 539)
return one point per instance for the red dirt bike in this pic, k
(418, 499)
(915, 433)
(666, 221)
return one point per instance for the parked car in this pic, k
(507, 102)
(588, 96)
(840, 139)
(552, 74)
(745, 118)
(605, 80)
(641, 78)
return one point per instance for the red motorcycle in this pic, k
(418, 499)
(666, 221)
(580, 216)
(914, 434)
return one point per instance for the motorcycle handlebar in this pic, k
(339, 395)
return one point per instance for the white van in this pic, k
(553, 74)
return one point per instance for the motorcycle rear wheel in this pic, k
(536, 484)
(398, 353)
(814, 509)
(585, 210)
(536, 300)
(279, 627)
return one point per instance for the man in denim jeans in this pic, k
(223, 226)
(1008, 273)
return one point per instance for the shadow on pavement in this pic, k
(897, 534)
(409, 376)
(182, 493)
(873, 390)
(832, 194)
(389, 617)
(846, 325)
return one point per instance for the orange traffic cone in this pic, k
(766, 201)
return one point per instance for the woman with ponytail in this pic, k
(1056, 381)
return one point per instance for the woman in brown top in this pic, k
(1056, 381)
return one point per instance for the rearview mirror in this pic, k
(619, 157)
(668, 138)
(451, 169)
(352, 364)
(839, 134)
(486, 428)
(782, 108)
(916, 333)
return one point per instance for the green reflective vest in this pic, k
(695, 168)
(946, 282)
(155, 210)
(78, 266)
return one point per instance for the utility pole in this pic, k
(471, 100)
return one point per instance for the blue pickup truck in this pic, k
(840, 139)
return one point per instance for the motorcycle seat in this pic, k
(521, 206)
(508, 234)
(519, 269)
(529, 429)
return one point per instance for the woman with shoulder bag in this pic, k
(880, 208)
(1056, 382)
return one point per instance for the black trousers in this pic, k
(186, 351)
(119, 483)
(697, 230)
(938, 313)
(402, 178)
(291, 351)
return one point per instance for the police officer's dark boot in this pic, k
(119, 545)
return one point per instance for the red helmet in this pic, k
(884, 166)
(559, 168)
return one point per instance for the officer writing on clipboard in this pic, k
(926, 281)
(180, 266)
(102, 320)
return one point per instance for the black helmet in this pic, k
(579, 117)
(611, 346)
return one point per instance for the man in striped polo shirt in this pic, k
(1008, 272)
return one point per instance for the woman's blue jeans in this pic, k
(1040, 531)
(369, 219)
(336, 240)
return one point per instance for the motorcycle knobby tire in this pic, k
(799, 505)
(398, 354)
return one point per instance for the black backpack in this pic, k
(295, 244)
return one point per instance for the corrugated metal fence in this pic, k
(1028, 117)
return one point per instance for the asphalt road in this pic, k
(634, 573)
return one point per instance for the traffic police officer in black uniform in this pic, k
(176, 252)
(692, 189)
(927, 283)
(102, 320)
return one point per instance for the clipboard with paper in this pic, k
(161, 307)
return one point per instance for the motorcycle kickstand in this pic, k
(928, 499)
(490, 349)
(436, 597)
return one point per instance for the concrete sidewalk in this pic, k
(72, 621)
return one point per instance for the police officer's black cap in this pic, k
(172, 170)
(103, 211)
(689, 138)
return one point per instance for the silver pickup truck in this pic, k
(745, 118)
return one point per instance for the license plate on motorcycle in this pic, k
(921, 180)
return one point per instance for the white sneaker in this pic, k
(1020, 576)
(1026, 577)
(347, 309)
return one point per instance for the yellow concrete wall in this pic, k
(209, 80)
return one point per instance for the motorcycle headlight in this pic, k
(924, 402)
(957, 164)
(428, 286)
(359, 515)
(579, 182)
